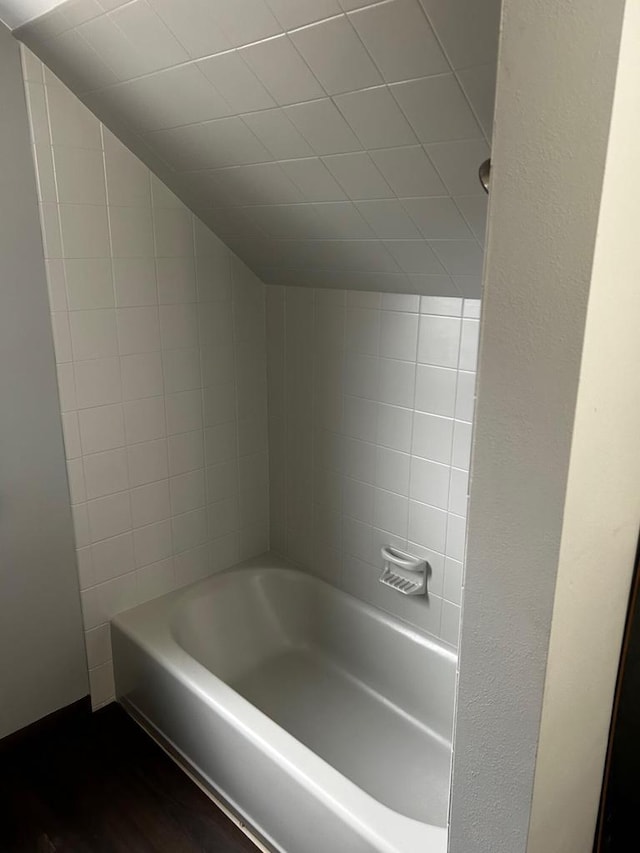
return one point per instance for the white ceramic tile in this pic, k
(314, 179)
(178, 326)
(71, 122)
(440, 96)
(458, 163)
(187, 492)
(141, 375)
(358, 176)
(112, 557)
(98, 646)
(437, 218)
(458, 491)
(392, 470)
(469, 344)
(278, 134)
(147, 462)
(61, 336)
(138, 330)
(106, 473)
(176, 280)
(79, 176)
(102, 685)
(195, 24)
(394, 427)
(441, 306)
(459, 257)
(150, 503)
(397, 382)
(222, 481)
(93, 334)
(282, 71)
(186, 452)
(336, 55)
(57, 286)
(360, 458)
(432, 437)
(479, 84)
(131, 232)
(363, 330)
(89, 283)
(358, 499)
(101, 428)
(461, 445)
(85, 232)
(173, 232)
(465, 396)
(71, 434)
(193, 565)
(399, 335)
(456, 526)
(430, 483)
(436, 390)
(409, 171)
(323, 127)
(181, 370)
(184, 412)
(360, 418)
(189, 530)
(391, 512)
(109, 516)
(400, 39)
(236, 82)
(296, 13)
(152, 543)
(144, 420)
(248, 22)
(439, 340)
(127, 178)
(135, 282)
(468, 32)
(427, 526)
(80, 518)
(75, 476)
(375, 117)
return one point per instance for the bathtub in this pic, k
(323, 723)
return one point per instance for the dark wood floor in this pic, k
(98, 784)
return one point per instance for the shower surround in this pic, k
(182, 458)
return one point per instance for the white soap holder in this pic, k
(403, 572)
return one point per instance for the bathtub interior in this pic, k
(371, 697)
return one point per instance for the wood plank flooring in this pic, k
(98, 784)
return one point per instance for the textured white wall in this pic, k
(602, 510)
(556, 76)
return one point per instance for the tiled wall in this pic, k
(159, 339)
(336, 143)
(370, 408)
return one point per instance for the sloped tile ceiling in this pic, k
(328, 143)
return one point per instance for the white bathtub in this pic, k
(324, 723)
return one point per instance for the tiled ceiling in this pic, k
(328, 143)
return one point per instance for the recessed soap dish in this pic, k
(403, 572)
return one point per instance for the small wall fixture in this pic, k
(403, 572)
(484, 173)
